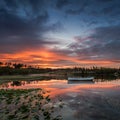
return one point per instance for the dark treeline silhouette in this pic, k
(22, 69)
(97, 72)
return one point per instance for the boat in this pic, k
(81, 78)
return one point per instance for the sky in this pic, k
(60, 33)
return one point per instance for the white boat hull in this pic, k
(81, 79)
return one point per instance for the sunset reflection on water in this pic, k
(86, 100)
(58, 87)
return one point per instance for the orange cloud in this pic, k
(47, 58)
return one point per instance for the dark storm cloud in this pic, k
(77, 8)
(105, 0)
(105, 7)
(103, 44)
(29, 5)
(23, 25)
(94, 8)
(61, 3)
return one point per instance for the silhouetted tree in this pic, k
(8, 64)
(17, 66)
(1, 63)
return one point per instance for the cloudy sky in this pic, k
(60, 33)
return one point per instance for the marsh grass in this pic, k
(31, 104)
(7, 78)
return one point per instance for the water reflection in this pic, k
(80, 82)
(63, 84)
(16, 83)
(89, 100)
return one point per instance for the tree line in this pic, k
(9, 68)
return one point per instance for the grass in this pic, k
(26, 105)
(19, 77)
(8, 78)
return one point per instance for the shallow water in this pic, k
(82, 101)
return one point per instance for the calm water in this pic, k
(82, 100)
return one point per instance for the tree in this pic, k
(18, 66)
(1, 63)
